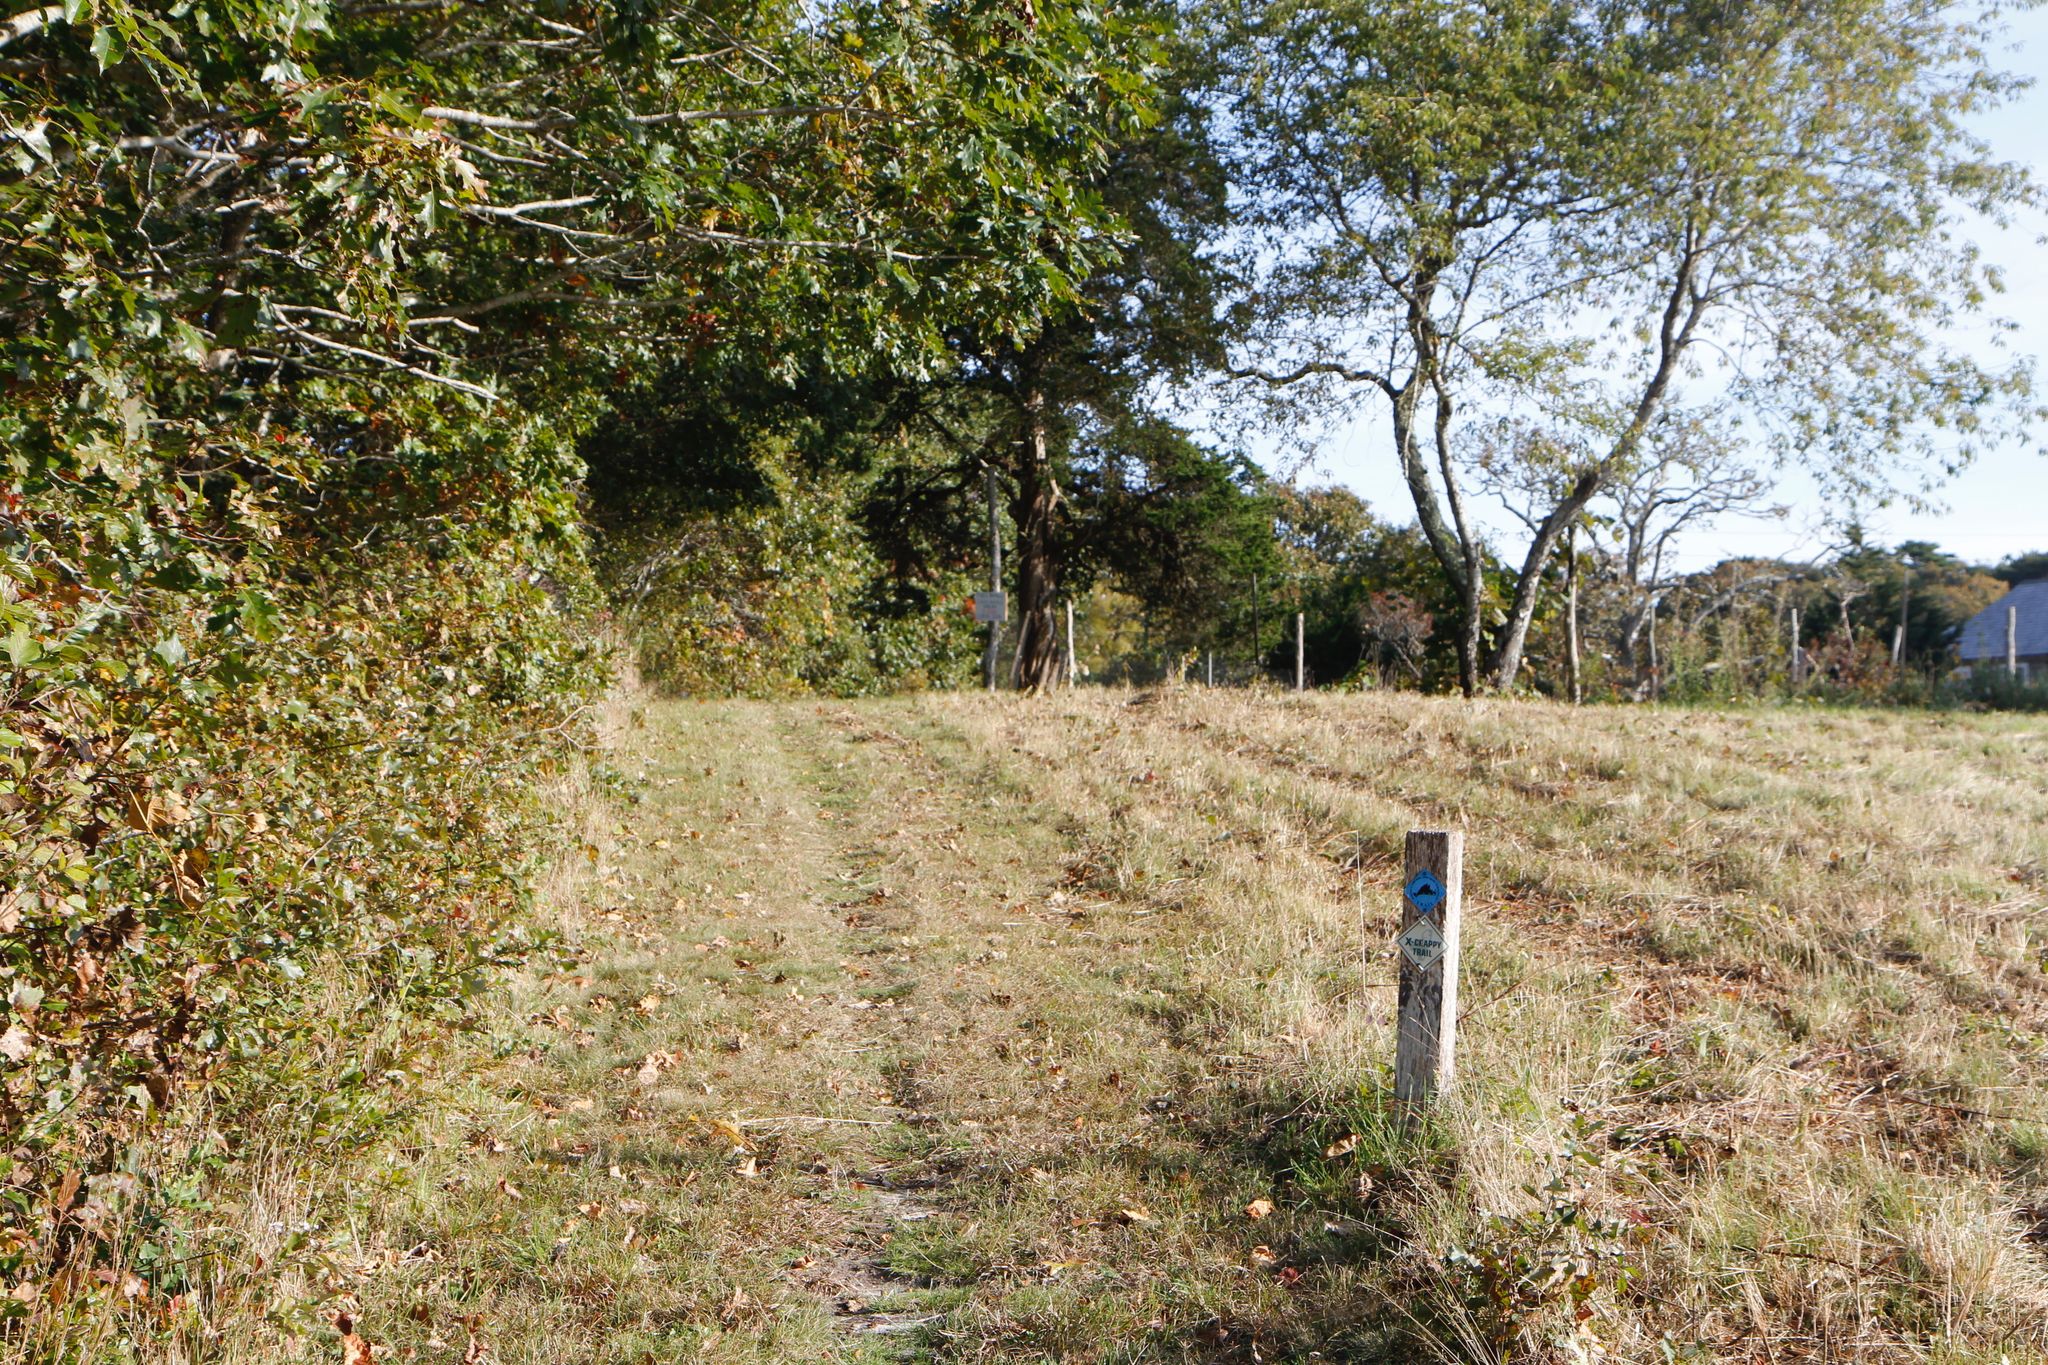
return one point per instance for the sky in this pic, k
(1996, 507)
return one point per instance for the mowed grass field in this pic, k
(959, 1028)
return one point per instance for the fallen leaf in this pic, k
(509, 1190)
(354, 1350)
(16, 1043)
(1133, 1215)
(1343, 1146)
(1263, 1255)
(748, 1169)
(1258, 1208)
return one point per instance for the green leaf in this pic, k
(107, 46)
(22, 648)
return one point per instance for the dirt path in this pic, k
(867, 1053)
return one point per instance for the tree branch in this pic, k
(1313, 367)
(391, 362)
(29, 23)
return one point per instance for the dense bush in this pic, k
(249, 727)
(780, 595)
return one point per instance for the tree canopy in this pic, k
(1601, 218)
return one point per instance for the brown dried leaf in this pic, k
(354, 1350)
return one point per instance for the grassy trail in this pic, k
(873, 1066)
(956, 1030)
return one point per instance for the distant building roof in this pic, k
(1983, 635)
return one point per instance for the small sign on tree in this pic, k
(991, 608)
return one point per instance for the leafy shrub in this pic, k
(253, 721)
(1993, 689)
(1519, 1267)
(780, 596)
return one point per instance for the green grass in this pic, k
(1757, 1005)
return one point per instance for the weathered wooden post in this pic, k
(1258, 665)
(2012, 642)
(995, 611)
(1073, 664)
(1432, 899)
(1300, 673)
(1798, 654)
(1571, 614)
(1212, 668)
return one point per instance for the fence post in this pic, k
(1798, 654)
(1300, 674)
(995, 583)
(1073, 664)
(1432, 901)
(2012, 642)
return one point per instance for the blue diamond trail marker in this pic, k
(1425, 891)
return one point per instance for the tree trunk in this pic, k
(1038, 497)
(1529, 587)
(1469, 637)
(1453, 548)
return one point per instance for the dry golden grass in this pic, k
(969, 1029)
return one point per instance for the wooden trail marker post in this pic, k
(2012, 642)
(1300, 674)
(1432, 901)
